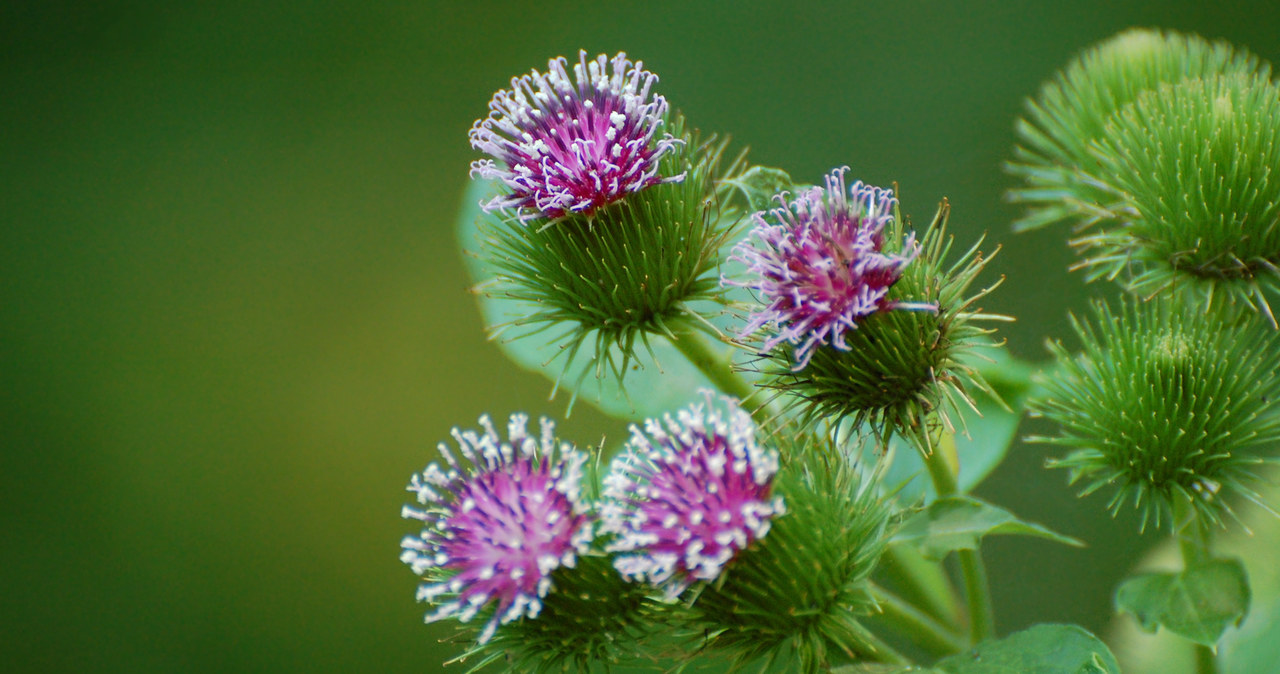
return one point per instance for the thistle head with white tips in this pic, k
(689, 494)
(570, 146)
(497, 521)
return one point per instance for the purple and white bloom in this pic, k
(571, 146)
(821, 268)
(688, 494)
(497, 522)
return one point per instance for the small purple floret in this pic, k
(821, 269)
(569, 147)
(688, 495)
(496, 523)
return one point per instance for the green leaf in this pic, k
(1198, 603)
(668, 384)
(1042, 649)
(758, 185)
(960, 523)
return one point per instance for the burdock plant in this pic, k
(777, 523)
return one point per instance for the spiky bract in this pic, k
(795, 598)
(1197, 163)
(900, 367)
(627, 271)
(591, 619)
(1167, 404)
(1062, 178)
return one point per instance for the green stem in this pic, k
(1195, 541)
(921, 582)
(931, 635)
(716, 365)
(973, 572)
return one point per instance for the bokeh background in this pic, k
(233, 317)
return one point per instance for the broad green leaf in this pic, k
(758, 185)
(651, 388)
(1198, 603)
(960, 523)
(1042, 649)
(982, 440)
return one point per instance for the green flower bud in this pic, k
(1168, 406)
(1054, 156)
(1194, 161)
(796, 595)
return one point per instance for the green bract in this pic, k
(902, 366)
(592, 617)
(1073, 108)
(629, 270)
(796, 595)
(1195, 163)
(1170, 407)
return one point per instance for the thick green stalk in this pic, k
(922, 583)
(717, 366)
(1195, 540)
(899, 615)
(974, 574)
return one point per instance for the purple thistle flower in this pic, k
(688, 495)
(496, 524)
(822, 268)
(570, 147)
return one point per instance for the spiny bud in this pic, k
(607, 229)
(867, 323)
(1195, 162)
(1054, 157)
(1167, 404)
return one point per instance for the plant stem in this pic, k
(977, 591)
(920, 627)
(1195, 541)
(922, 583)
(716, 365)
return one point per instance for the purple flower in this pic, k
(822, 268)
(568, 147)
(497, 523)
(688, 495)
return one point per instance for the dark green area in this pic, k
(233, 319)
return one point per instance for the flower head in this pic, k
(823, 268)
(572, 146)
(498, 521)
(689, 494)
(1170, 406)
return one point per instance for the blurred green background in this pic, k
(234, 320)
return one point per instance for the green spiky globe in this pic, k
(901, 366)
(1053, 156)
(1197, 162)
(1169, 405)
(794, 599)
(628, 270)
(593, 618)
